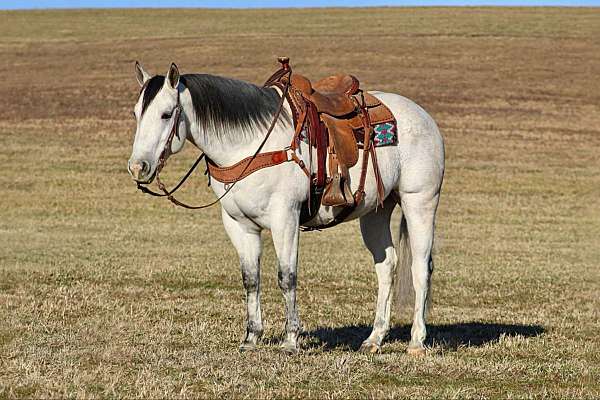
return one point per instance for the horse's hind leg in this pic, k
(285, 233)
(248, 245)
(375, 229)
(419, 210)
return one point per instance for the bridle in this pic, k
(166, 152)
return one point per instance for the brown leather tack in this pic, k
(330, 95)
(301, 83)
(278, 157)
(348, 114)
(340, 83)
(332, 103)
(377, 115)
(344, 142)
(234, 172)
(337, 191)
(334, 196)
(370, 100)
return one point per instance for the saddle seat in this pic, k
(330, 95)
(335, 98)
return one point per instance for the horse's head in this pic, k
(155, 114)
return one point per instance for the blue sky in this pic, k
(20, 4)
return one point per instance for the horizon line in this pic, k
(116, 7)
(271, 4)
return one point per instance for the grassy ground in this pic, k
(104, 292)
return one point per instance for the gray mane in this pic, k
(222, 105)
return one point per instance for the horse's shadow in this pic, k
(448, 336)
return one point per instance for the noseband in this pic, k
(166, 152)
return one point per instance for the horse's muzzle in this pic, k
(139, 170)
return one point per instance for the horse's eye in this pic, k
(166, 116)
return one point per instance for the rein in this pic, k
(285, 70)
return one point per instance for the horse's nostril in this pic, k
(136, 168)
(139, 169)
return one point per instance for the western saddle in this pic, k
(336, 118)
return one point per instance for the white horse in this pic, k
(226, 119)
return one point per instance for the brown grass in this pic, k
(106, 293)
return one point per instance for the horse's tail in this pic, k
(405, 291)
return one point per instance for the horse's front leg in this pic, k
(285, 231)
(247, 242)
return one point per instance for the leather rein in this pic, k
(166, 152)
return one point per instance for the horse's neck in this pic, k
(226, 151)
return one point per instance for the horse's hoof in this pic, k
(369, 348)
(417, 351)
(289, 349)
(247, 346)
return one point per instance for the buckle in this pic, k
(290, 153)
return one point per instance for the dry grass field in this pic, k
(107, 293)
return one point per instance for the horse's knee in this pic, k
(251, 282)
(286, 278)
(250, 276)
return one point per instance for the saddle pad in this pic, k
(386, 134)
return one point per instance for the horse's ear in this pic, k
(173, 76)
(141, 75)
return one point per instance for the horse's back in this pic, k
(411, 118)
(420, 145)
